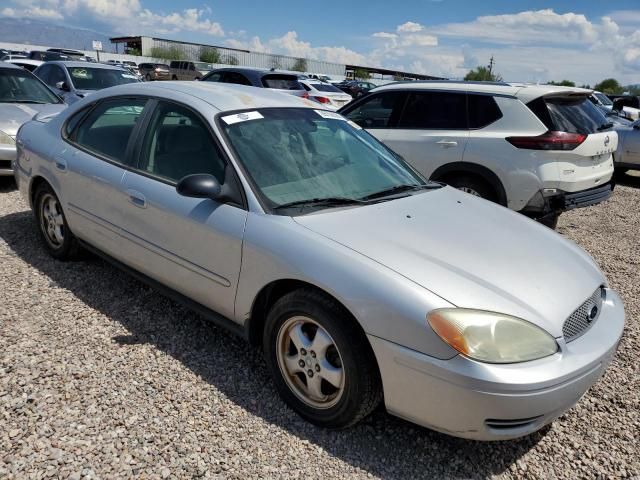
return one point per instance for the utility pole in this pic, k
(491, 64)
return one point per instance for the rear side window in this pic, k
(214, 77)
(435, 110)
(107, 129)
(281, 82)
(568, 114)
(483, 110)
(175, 64)
(378, 111)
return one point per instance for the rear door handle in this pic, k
(61, 164)
(137, 198)
(447, 143)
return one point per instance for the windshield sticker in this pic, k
(328, 114)
(79, 73)
(242, 117)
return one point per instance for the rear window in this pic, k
(568, 114)
(281, 82)
(483, 110)
(325, 87)
(162, 67)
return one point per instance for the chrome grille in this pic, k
(583, 318)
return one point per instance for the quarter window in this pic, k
(378, 111)
(178, 144)
(108, 128)
(435, 110)
(483, 110)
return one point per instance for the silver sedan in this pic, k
(363, 282)
(22, 97)
(627, 156)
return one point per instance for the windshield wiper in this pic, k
(320, 202)
(605, 126)
(400, 189)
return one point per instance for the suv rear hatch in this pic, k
(579, 139)
(284, 83)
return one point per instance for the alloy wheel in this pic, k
(310, 362)
(52, 220)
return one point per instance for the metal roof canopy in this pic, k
(395, 73)
(139, 39)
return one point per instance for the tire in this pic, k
(52, 225)
(343, 355)
(473, 185)
(148, 78)
(174, 78)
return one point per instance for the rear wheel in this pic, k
(52, 224)
(148, 77)
(473, 185)
(321, 363)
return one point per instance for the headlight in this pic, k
(6, 139)
(491, 337)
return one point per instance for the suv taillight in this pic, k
(322, 99)
(549, 141)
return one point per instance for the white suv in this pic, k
(537, 149)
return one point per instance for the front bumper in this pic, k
(481, 401)
(7, 155)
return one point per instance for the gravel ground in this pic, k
(102, 377)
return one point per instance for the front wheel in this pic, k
(473, 186)
(52, 224)
(321, 363)
(148, 77)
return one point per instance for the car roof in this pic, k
(73, 63)
(523, 91)
(222, 96)
(25, 61)
(8, 65)
(256, 71)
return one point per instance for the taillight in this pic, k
(322, 99)
(305, 95)
(549, 141)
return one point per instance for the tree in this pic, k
(230, 59)
(277, 61)
(482, 74)
(632, 89)
(562, 83)
(209, 55)
(300, 65)
(361, 74)
(609, 85)
(167, 53)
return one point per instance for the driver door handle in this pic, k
(447, 143)
(137, 198)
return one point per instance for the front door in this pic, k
(192, 245)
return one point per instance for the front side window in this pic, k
(87, 78)
(435, 110)
(20, 86)
(56, 75)
(379, 111)
(178, 144)
(107, 129)
(297, 154)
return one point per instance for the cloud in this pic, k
(409, 27)
(32, 12)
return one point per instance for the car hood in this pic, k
(471, 252)
(13, 115)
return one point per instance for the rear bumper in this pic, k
(541, 207)
(480, 401)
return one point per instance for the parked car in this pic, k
(628, 106)
(255, 77)
(154, 71)
(537, 149)
(317, 76)
(359, 278)
(356, 88)
(189, 70)
(45, 56)
(627, 156)
(325, 93)
(606, 105)
(75, 80)
(22, 97)
(72, 54)
(13, 56)
(26, 63)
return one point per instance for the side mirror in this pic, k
(200, 185)
(63, 86)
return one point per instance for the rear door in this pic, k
(431, 131)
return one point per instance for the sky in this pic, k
(532, 41)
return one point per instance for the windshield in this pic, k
(19, 86)
(604, 100)
(299, 154)
(87, 78)
(203, 66)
